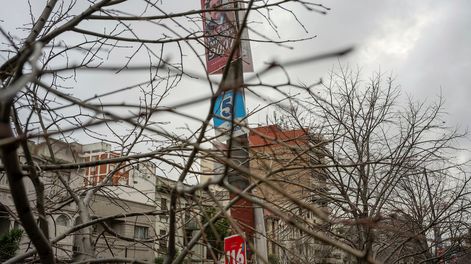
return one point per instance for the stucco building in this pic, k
(131, 189)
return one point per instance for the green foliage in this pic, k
(273, 259)
(9, 244)
(159, 260)
(216, 233)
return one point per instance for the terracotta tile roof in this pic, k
(273, 135)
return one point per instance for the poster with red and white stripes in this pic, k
(235, 250)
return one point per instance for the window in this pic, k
(188, 237)
(3, 179)
(163, 207)
(62, 220)
(162, 241)
(4, 221)
(141, 232)
(163, 204)
(93, 169)
(112, 167)
(187, 212)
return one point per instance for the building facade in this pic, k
(131, 189)
(287, 159)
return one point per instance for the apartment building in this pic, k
(133, 186)
(131, 189)
(188, 216)
(287, 158)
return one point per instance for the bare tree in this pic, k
(394, 187)
(368, 155)
(42, 103)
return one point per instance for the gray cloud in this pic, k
(424, 43)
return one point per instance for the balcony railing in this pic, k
(191, 225)
(3, 180)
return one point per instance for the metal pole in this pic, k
(243, 210)
(251, 219)
(261, 235)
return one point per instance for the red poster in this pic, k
(235, 250)
(220, 30)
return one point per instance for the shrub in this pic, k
(9, 244)
(273, 259)
(159, 260)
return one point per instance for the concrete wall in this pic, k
(103, 207)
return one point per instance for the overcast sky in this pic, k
(425, 45)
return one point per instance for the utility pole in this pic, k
(242, 211)
(250, 218)
(238, 143)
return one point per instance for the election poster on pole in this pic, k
(229, 115)
(220, 26)
(235, 250)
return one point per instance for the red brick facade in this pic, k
(95, 175)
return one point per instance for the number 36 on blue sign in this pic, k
(227, 105)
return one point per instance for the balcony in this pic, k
(191, 224)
